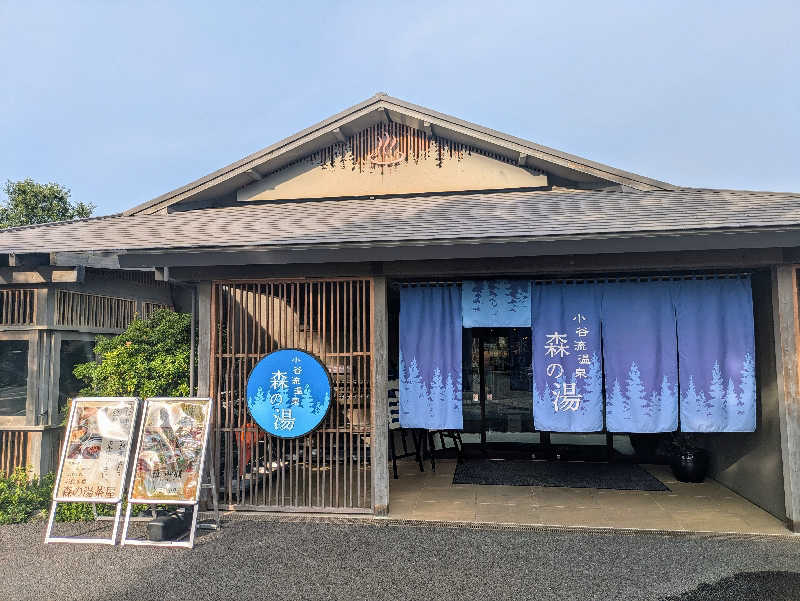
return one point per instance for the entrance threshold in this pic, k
(705, 507)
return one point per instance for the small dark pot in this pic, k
(690, 465)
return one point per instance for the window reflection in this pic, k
(13, 377)
(72, 353)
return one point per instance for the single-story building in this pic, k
(514, 292)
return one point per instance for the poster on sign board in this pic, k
(97, 446)
(172, 445)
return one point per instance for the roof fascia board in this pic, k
(387, 103)
(483, 249)
(521, 145)
(254, 160)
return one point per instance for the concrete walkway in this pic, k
(704, 507)
(256, 557)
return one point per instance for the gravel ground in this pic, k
(261, 558)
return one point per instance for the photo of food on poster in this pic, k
(171, 450)
(98, 443)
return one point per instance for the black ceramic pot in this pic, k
(690, 465)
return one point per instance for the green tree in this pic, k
(150, 358)
(29, 203)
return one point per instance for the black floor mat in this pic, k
(616, 476)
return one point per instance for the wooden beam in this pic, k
(42, 275)
(522, 159)
(254, 174)
(513, 267)
(379, 447)
(787, 340)
(204, 326)
(28, 259)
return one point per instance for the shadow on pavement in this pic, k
(747, 586)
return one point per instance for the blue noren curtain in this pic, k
(716, 347)
(430, 357)
(496, 303)
(567, 358)
(640, 357)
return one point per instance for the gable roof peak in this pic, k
(383, 107)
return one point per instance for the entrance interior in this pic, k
(498, 403)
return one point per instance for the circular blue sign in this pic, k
(289, 393)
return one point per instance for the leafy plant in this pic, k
(150, 358)
(24, 498)
(683, 442)
(29, 203)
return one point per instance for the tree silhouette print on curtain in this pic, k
(430, 358)
(716, 346)
(496, 303)
(640, 357)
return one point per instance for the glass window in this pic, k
(13, 377)
(71, 354)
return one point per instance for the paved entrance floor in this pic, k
(705, 507)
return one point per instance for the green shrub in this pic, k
(24, 498)
(150, 358)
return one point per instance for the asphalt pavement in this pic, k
(262, 558)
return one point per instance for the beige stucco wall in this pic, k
(438, 170)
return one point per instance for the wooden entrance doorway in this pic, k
(327, 470)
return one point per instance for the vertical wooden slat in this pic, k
(268, 349)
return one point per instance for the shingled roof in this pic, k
(421, 220)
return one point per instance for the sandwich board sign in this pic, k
(94, 458)
(170, 460)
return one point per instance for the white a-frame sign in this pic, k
(95, 458)
(170, 462)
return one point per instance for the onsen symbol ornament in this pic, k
(386, 153)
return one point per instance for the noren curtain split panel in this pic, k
(668, 354)
(430, 358)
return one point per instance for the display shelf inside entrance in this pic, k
(170, 462)
(95, 458)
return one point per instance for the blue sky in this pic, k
(123, 102)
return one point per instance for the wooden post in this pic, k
(204, 340)
(380, 397)
(787, 335)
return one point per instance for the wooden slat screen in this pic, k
(93, 311)
(365, 149)
(13, 450)
(328, 469)
(149, 308)
(17, 306)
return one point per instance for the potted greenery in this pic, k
(689, 461)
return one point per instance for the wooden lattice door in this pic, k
(328, 469)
